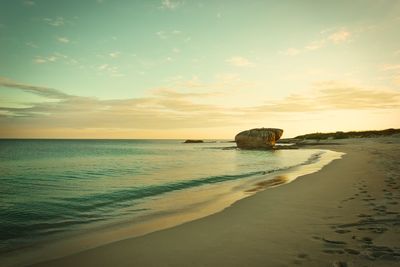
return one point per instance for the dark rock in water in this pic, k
(191, 141)
(259, 138)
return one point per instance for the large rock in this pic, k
(259, 138)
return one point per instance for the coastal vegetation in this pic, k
(351, 134)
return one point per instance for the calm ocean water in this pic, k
(48, 187)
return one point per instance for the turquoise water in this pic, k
(48, 187)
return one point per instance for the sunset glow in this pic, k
(197, 69)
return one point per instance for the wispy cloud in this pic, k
(391, 73)
(29, 3)
(290, 52)
(170, 4)
(114, 54)
(391, 67)
(63, 40)
(42, 60)
(239, 61)
(314, 45)
(111, 70)
(54, 57)
(333, 95)
(161, 34)
(38, 90)
(55, 22)
(329, 36)
(339, 36)
(166, 108)
(221, 83)
(168, 34)
(31, 44)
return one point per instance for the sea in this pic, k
(53, 189)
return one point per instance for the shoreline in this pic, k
(307, 221)
(225, 195)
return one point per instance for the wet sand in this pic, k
(347, 214)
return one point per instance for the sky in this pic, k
(197, 69)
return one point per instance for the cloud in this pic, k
(176, 35)
(31, 44)
(330, 36)
(290, 52)
(56, 22)
(339, 36)
(29, 3)
(103, 67)
(114, 54)
(38, 90)
(314, 45)
(170, 4)
(113, 71)
(222, 82)
(165, 108)
(238, 61)
(55, 57)
(40, 60)
(64, 40)
(391, 67)
(333, 95)
(392, 72)
(161, 34)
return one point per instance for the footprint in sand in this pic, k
(384, 253)
(366, 240)
(378, 230)
(351, 251)
(333, 251)
(339, 264)
(342, 231)
(380, 208)
(333, 242)
(301, 257)
(368, 199)
(364, 215)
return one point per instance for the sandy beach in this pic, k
(347, 214)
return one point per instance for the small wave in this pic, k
(313, 158)
(120, 197)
